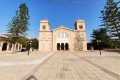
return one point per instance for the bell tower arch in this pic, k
(79, 25)
(44, 25)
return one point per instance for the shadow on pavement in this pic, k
(32, 77)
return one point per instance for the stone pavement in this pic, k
(15, 66)
(108, 62)
(62, 65)
(65, 65)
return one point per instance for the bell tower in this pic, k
(79, 25)
(44, 25)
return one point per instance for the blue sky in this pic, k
(58, 13)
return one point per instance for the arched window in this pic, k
(80, 26)
(44, 27)
(62, 35)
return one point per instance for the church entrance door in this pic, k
(62, 46)
(66, 46)
(58, 46)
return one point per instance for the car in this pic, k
(23, 49)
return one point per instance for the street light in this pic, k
(98, 41)
(29, 46)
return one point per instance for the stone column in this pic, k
(8, 47)
(18, 47)
(1, 44)
(14, 48)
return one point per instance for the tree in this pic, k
(111, 18)
(34, 43)
(100, 34)
(19, 24)
(23, 40)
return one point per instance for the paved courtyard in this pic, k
(60, 65)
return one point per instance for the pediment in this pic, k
(62, 28)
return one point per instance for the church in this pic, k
(62, 38)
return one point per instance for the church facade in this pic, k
(62, 38)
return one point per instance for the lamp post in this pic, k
(29, 46)
(98, 41)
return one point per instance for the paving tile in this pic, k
(64, 65)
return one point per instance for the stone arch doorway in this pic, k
(66, 46)
(62, 46)
(58, 46)
(4, 47)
